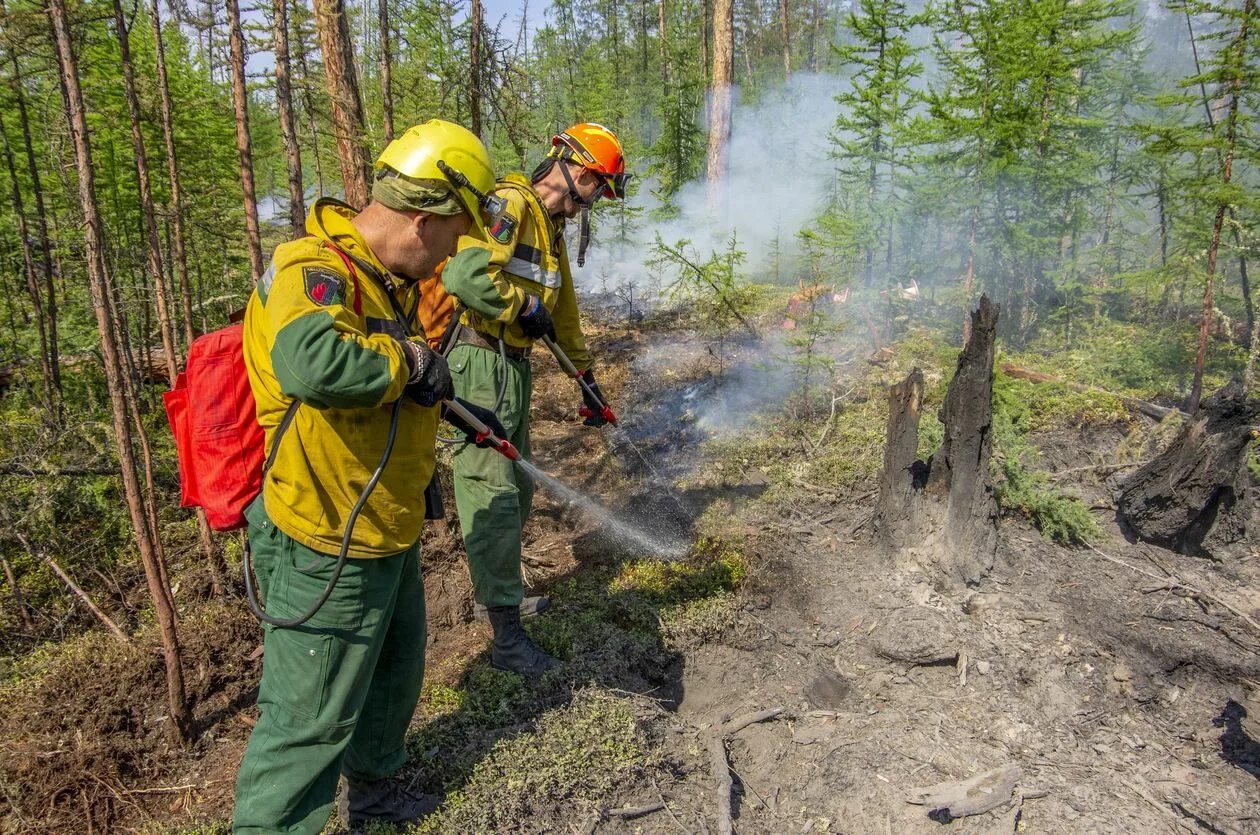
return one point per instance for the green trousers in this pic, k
(337, 692)
(492, 494)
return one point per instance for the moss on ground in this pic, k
(575, 755)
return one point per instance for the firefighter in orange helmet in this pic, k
(525, 293)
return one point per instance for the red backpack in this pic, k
(218, 439)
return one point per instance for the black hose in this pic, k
(251, 594)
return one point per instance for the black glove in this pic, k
(535, 319)
(429, 381)
(593, 410)
(482, 414)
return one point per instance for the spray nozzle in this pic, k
(483, 436)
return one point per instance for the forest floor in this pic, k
(1126, 704)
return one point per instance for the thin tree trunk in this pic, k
(41, 219)
(386, 70)
(94, 243)
(720, 96)
(240, 102)
(153, 252)
(32, 284)
(177, 249)
(1227, 166)
(474, 67)
(308, 108)
(288, 126)
(18, 600)
(785, 28)
(343, 91)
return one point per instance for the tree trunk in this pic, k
(1239, 44)
(386, 69)
(308, 107)
(178, 252)
(1195, 497)
(474, 67)
(179, 258)
(19, 602)
(941, 514)
(720, 97)
(343, 91)
(32, 284)
(903, 472)
(240, 103)
(288, 125)
(153, 252)
(94, 243)
(787, 40)
(41, 220)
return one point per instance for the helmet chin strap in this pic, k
(584, 237)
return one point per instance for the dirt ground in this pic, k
(1127, 703)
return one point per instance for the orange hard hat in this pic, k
(596, 148)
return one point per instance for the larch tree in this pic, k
(240, 103)
(343, 91)
(152, 248)
(720, 96)
(288, 124)
(115, 370)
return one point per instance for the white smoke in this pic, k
(779, 176)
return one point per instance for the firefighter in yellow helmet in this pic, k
(526, 293)
(331, 344)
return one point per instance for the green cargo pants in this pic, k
(337, 692)
(492, 494)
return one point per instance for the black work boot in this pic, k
(513, 650)
(364, 801)
(529, 606)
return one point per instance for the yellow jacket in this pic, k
(528, 257)
(314, 334)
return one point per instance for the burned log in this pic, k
(942, 513)
(1195, 498)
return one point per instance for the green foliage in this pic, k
(1060, 518)
(722, 303)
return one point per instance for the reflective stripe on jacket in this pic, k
(528, 257)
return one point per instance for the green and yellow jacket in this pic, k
(528, 257)
(332, 342)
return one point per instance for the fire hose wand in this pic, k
(502, 445)
(569, 368)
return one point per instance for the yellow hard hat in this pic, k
(442, 155)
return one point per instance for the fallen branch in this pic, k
(633, 811)
(831, 418)
(1098, 468)
(163, 789)
(1173, 582)
(1142, 407)
(715, 741)
(73, 586)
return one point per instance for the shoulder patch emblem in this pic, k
(503, 229)
(323, 286)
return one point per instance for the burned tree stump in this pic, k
(1195, 497)
(942, 513)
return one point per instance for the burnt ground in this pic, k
(1128, 704)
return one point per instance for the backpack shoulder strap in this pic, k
(354, 277)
